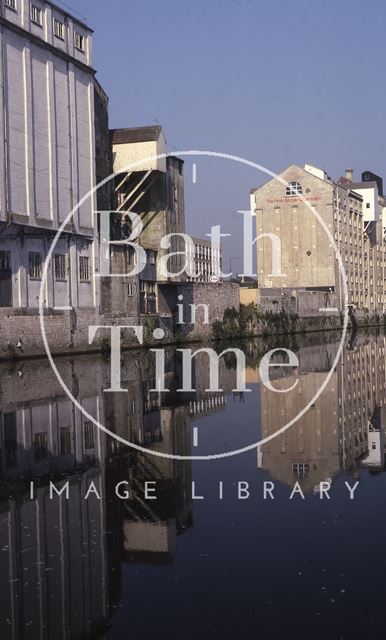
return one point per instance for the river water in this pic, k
(287, 539)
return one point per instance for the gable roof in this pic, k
(136, 134)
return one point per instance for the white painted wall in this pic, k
(46, 119)
(371, 210)
(127, 154)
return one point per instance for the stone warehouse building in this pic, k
(47, 163)
(354, 212)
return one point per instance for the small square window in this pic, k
(84, 269)
(59, 28)
(11, 4)
(35, 265)
(79, 41)
(60, 267)
(36, 15)
(368, 205)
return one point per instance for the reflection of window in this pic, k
(36, 15)
(60, 267)
(130, 289)
(35, 265)
(151, 257)
(300, 469)
(59, 28)
(5, 260)
(89, 435)
(79, 41)
(10, 440)
(11, 4)
(84, 269)
(65, 441)
(40, 446)
(293, 189)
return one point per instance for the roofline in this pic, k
(146, 126)
(175, 157)
(46, 45)
(329, 181)
(98, 84)
(69, 15)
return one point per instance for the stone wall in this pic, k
(66, 331)
(216, 298)
(302, 303)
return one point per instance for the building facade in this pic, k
(203, 261)
(150, 184)
(354, 215)
(47, 163)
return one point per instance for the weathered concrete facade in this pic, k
(48, 163)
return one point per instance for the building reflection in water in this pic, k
(344, 428)
(60, 571)
(61, 559)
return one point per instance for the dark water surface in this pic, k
(239, 566)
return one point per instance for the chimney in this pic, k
(349, 174)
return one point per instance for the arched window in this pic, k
(293, 189)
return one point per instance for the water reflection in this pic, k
(62, 559)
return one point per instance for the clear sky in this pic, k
(275, 81)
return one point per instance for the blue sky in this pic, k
(274, 81)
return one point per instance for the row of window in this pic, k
(36, 15)
(35, 265)
(41, 447)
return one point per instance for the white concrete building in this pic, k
(47, 158)
(203, 260)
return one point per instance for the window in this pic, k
(84, 270)
(60, 267)
(79, 41)
(36, 15)
(368, 205)
(35, 265)
(65, 441)
(40, 446)
(11, 4)
(5, 260)
(10, 439)
(59, 28)
(130, 289)
(293, 189)
(151, 255)
(89, 435)
(300, 469)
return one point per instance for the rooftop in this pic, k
(136, 134)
